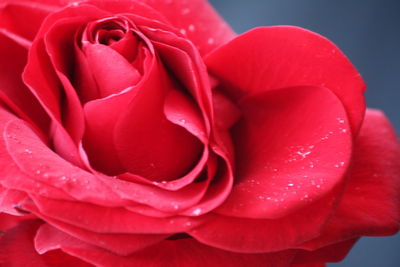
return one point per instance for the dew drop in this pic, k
(185, 11)
(196, 212)
(210, 41)
(290, 184)
(183, 31)
(191, 28)
(303, 154)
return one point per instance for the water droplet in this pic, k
(290, 184)
(38, 171)
(185, 11)
(28, 151)
(175, 206)
(303, 154)
(196, 212)
(191, 28)
(344, 131)
(340, 120)
(183, 31)
(210, 41)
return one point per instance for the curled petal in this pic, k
(268, 58)
(292, 147)
(375, 173)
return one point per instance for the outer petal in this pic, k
(13, 59)
(16, 249)
(370, 204)
(270, 58)
(292, 147)
(332, 253)
(184, 252)
(120, 244)
(202, 25)
(22, 19)
(266, 235)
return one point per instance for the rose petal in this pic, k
(333, 253)
(40, 76)
(110, 80)
(23, 18)
(101, 219)
(269, 58)
(11, 85)
(10, 199)
(266, 235)
(16, 246)
(226, 112)
(180, 252)
(60, 47)
(120, 244)
(370, 203)
(16, 249)
(8, 221)
(292, 147)
(196, 19)
(149, 144)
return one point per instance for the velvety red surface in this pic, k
(147, 133)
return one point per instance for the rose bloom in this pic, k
(146, 133)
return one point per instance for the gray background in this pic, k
(368, 31)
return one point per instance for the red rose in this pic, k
(145, 133)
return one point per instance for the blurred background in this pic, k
(368, 32)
